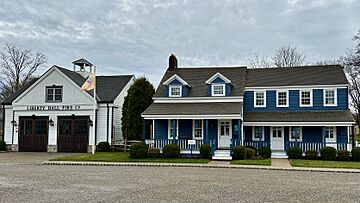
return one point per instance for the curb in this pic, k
(185, 165)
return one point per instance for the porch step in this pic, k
(222, 155)
(279, 154)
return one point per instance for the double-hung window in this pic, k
(330, 134)
(54, 94)
(260, 99)
(295, 133)
(306, 98)
(218, 89)
(282, 98)
(258, 131)
(197, 129)
(175, 91)
(330, 97)
(173, 129)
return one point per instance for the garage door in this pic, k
(33, 134)
(73, 134)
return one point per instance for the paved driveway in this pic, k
(28, 157)
(29, 182)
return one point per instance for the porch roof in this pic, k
(221, 109)
(306, 116)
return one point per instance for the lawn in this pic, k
(264, 162)
(124, 157)
(324, 164)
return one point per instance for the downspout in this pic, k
(3, 123)
(13, 130)
(112, 125)
(107, 122)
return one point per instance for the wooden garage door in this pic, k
(73, 134)
(33, 134)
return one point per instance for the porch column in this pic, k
(260, 137)
(324, 136)
(296, 136)
(206, 131)
(239, 130)
(352, 136)
(174, 130)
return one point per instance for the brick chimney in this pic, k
(173, 62)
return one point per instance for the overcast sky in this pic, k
(136, 37)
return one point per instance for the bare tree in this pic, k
(288, 56)
(259, 61)
(351, 62)
(17, 67)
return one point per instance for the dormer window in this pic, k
(218, 90)
(175, 91)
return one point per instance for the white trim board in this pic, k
(197, 99)
(229, 116)
(296, 87)
(172, 78)
(218, 75)
(298, 123)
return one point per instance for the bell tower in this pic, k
(83, 67)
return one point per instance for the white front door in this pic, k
(224, 133)
(277, 138)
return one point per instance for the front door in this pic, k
(277, 138)
(224, 134)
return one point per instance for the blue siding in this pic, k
(248, 133)
(342, 101)
(185, 91)
(213, 128)
(185, 129)
(166, 91)
(312, 134)
(218, 80)
(161, 129)
(342, 135)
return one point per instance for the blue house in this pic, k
(281, 108)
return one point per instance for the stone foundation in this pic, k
(52, 148)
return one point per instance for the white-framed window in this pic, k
(175, 90)
(53, 94)
(277, 132)
(282, 98)
(330, 97)
(295, 131)
(306, 98)
(198, 129)
(218, 89)
(257, 131)
(330, 134)
(259, 98)
(171, 129)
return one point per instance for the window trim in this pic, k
(262, 132)
(202, 129)
(262, 91)
(218, 95)
(300, 135)
(311, 98)
(335, 96)
(277, 98)
(335, 134)
(54, 87)
(175, 86)
(169, 129)
(272, 131)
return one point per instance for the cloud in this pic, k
(129, 36)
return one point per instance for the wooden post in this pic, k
(174, 130)
(260, 136)
(324, 136)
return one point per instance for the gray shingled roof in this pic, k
(306, 75)
(107, 87)
(197, 77)
(308, 116)
(194, 108)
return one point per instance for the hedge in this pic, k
(103, 147)
(2, 145)
(205, 151)
(249, 153)
(153, 153)
(311, 154)
(328, 153)
(295, 153)
(355, 154)
(171, 151)
(265, 152)
(138, 150)
(238, 153)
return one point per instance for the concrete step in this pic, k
(222, 155)
(222, 158)
(279, 154)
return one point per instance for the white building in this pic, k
(52, 114)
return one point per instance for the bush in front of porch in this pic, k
(355, 154)
(205, 151)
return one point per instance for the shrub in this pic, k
(343, 155)
(328, 153)
(205, 151)
(355, 154)
(103, 147)
(265, 152)
(249, 153)
(2, 145)
(251, 147)
(171, 151)
(295, 153)
(311, 154)
(138, 150)
(153, 153)
(238, 153)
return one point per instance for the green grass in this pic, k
(124, 157)
(264, 162)
(324, 164)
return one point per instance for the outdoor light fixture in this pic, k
(13, 123)
(51, 122)
(90, 123)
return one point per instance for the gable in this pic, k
(35, 94)
(218, 78)
(177, 79)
